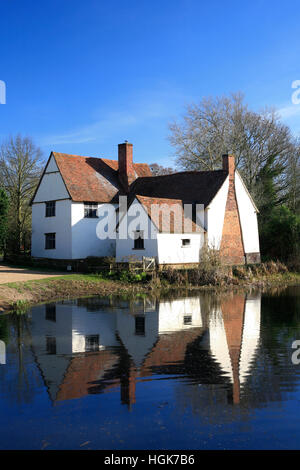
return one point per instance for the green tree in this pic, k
(280, 234)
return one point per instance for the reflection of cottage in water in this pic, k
(96, 345)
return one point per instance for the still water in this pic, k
(194, 372)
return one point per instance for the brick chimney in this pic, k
(126, 170)
(232, 245)
(229, 164)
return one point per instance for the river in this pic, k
(199, 371)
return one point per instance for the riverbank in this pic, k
(20, 296)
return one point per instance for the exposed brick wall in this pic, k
(231, 249)
(126, 169)
(252, 258)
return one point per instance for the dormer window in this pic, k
(90, 210)
(50, 209)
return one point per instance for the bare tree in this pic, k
(157, 169)
(20, 169)
(220, 125)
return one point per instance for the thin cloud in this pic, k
(146, 107)
(290, 111)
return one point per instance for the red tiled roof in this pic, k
(93, 179)
(176, 223)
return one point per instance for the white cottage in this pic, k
(167, 217)
(71, 193)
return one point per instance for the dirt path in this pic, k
(12, 274)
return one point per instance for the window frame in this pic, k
(50, 312)
(140, 325)
(51, 345)
(185, 245)
(50, 208)
(47, 240)
(187, 319)
(88, 208)
(92, 343)
(139, 240)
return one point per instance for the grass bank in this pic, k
(21, 295)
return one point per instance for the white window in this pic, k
(90, 210)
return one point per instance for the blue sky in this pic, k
(82, 77)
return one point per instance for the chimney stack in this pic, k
(126, 168)
(229, 164)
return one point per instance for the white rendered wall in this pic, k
(248, 217)
(125, 247)
(90, 323)
(218, 342)
(215, 213)
(52, 166)
(251, 335)
(51, 188)
(172, 312)
(85, 241)
(165, 247)
(171, 251)
(138, 346)
(53, 366)
(60, 224)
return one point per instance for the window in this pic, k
(49, 241)
(50, 209)
(90, 210)
(186, 242)
(140, 325)
(138, 240)
(92, 343)
(51, 312)
(187, 319)
(51, 345)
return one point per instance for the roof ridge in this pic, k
(75, 155)
(96, 158)
(154, 197)
(188, 172)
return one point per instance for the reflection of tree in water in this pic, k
(19, 379)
